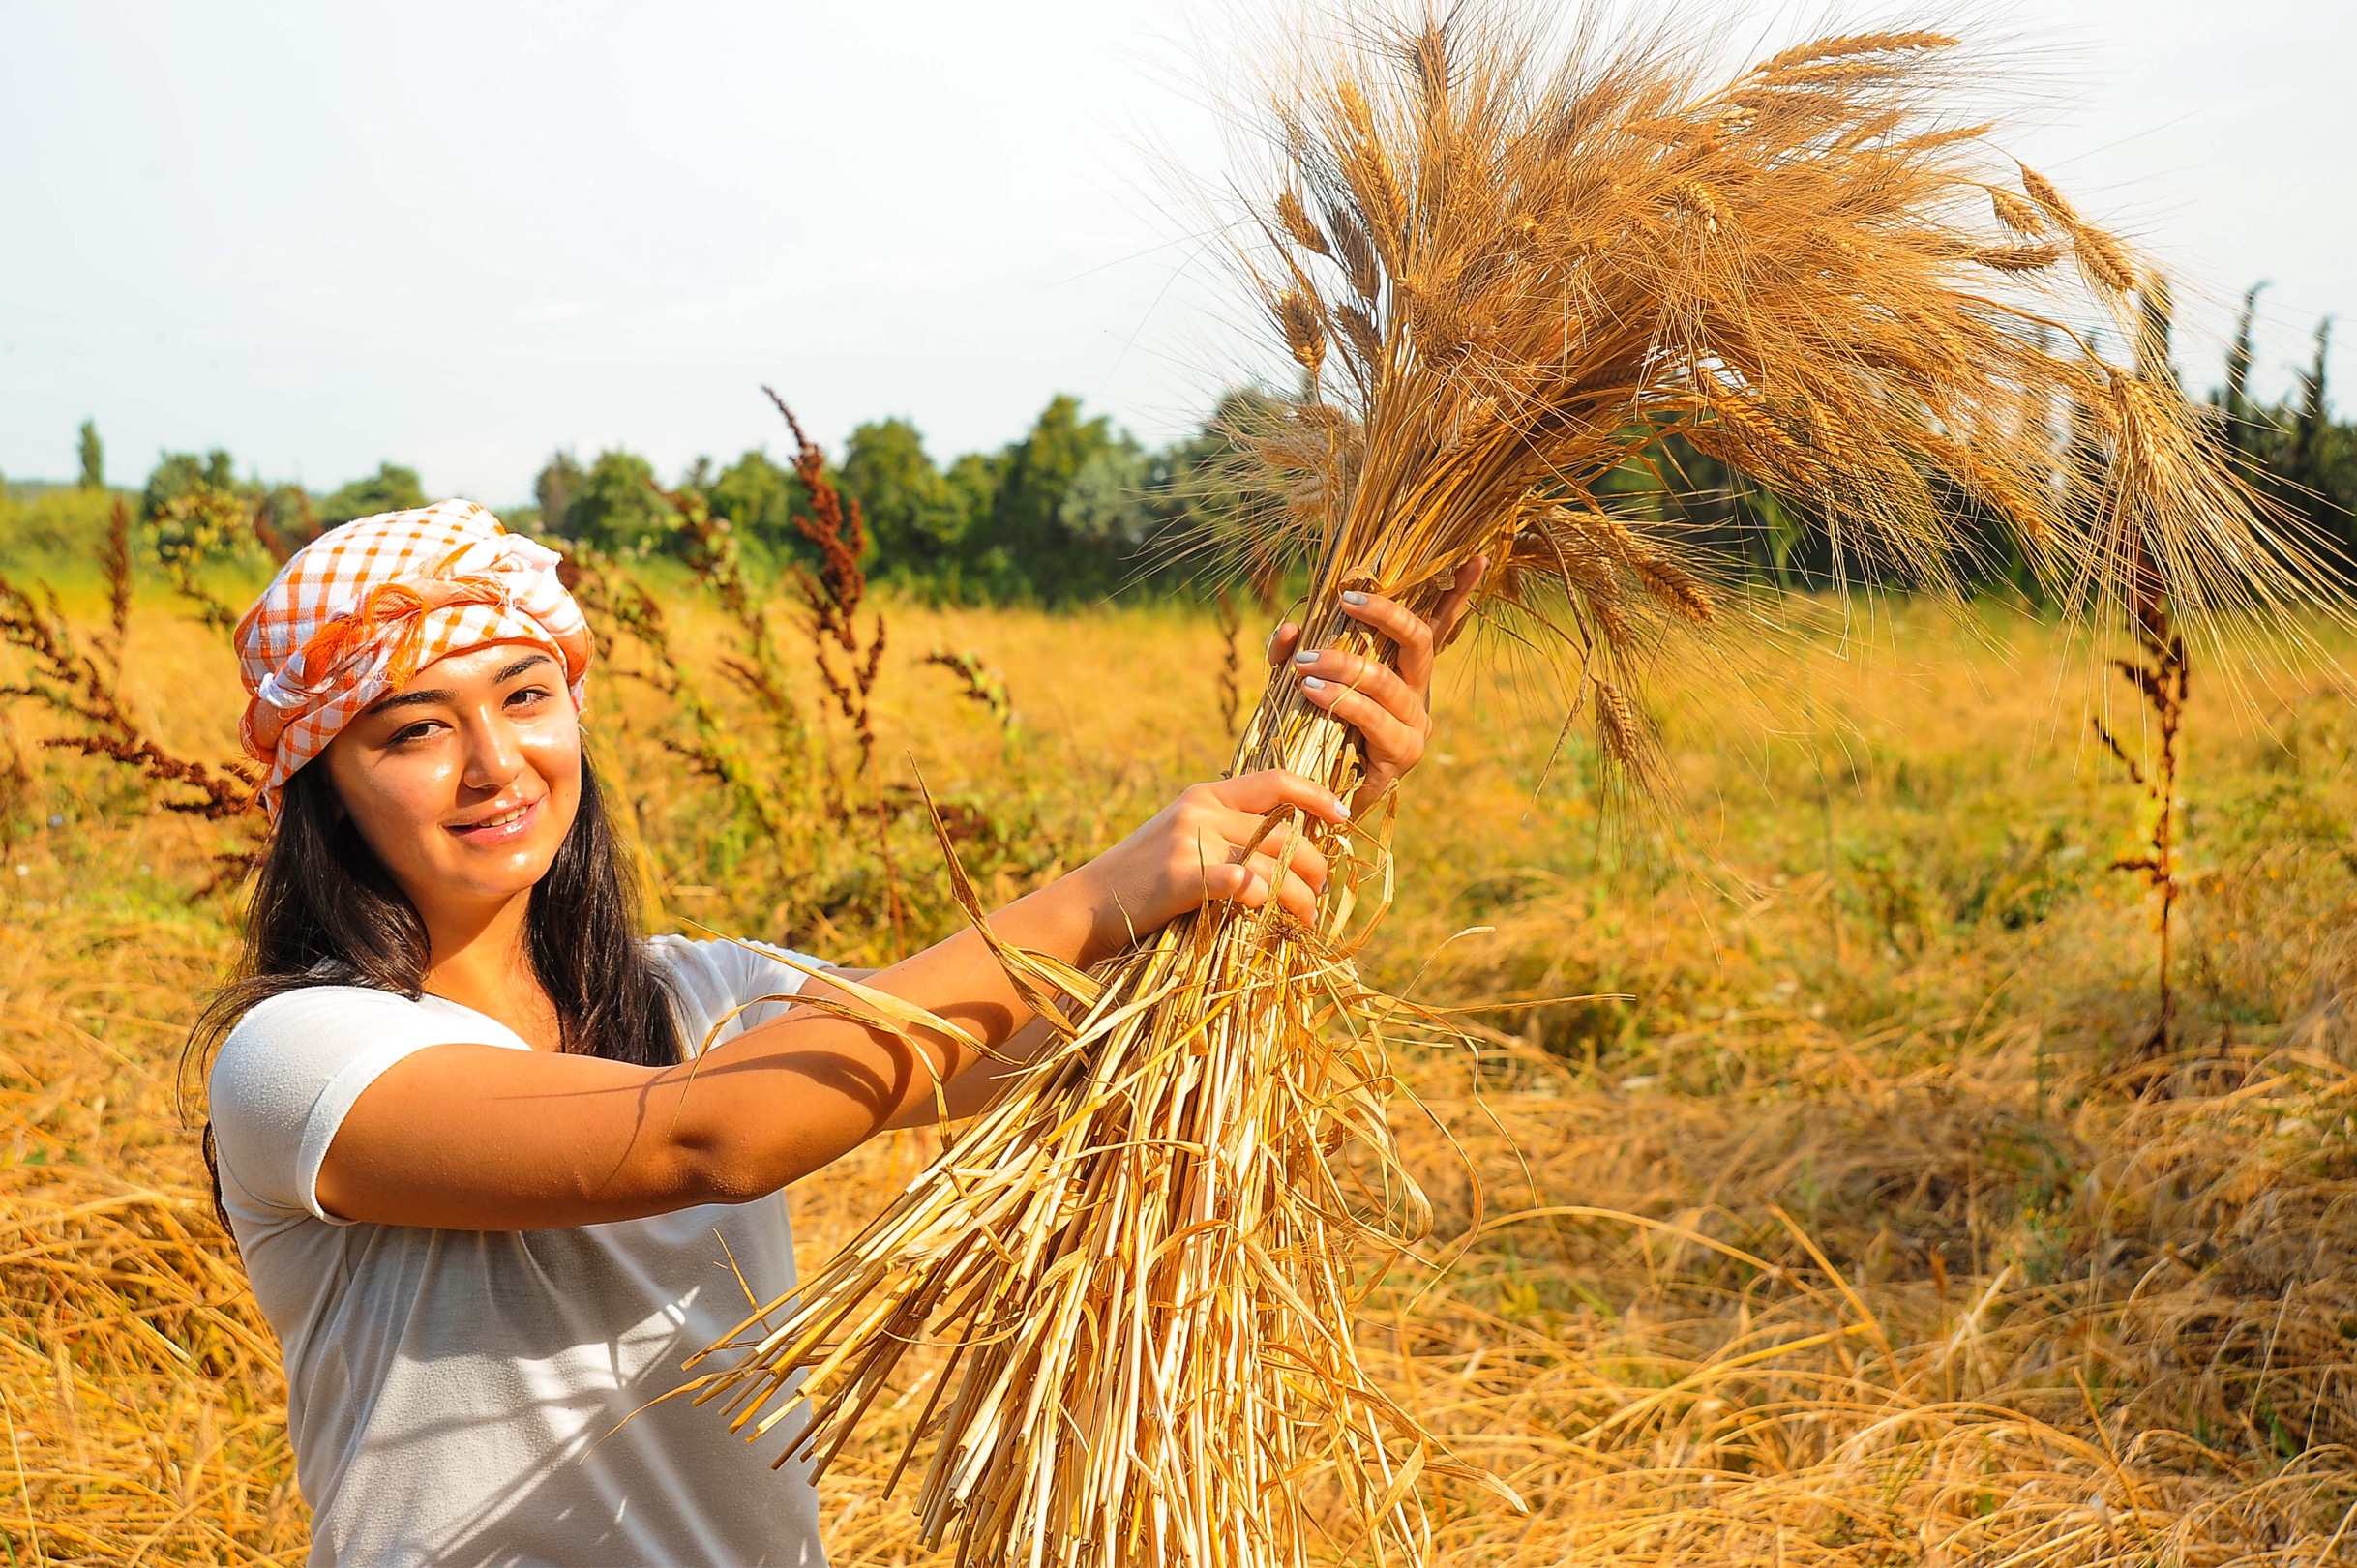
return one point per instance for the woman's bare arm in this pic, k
(480, 1138)
(971, 1092)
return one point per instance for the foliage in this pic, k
(919, 520)
(93, 454)
(759, 498)
(84, 686)
(391, 489)
(612, 506)
(181, 475)
(2306, 458)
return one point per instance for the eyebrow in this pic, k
(432, 695)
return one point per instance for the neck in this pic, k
(482, 959)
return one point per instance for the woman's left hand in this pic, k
(1388, 704)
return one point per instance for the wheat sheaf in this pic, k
(1510, 262)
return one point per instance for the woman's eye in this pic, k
(412, 733)
(525, 697)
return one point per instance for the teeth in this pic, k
(501, 820)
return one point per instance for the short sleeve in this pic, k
(724, 988)
(291, 1069)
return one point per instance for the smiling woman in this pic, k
(496, 1160)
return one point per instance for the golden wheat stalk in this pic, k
(1505, 282)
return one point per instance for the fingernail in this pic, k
(1307, 656)
(1311, 683)
(1354, 597)
(1342, 810)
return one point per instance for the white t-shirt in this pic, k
(454, 1395)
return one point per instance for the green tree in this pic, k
(2235, 402)
(1031, 551)
(917, 519)
(94, 457)
(178, 474)
(2311, 423)
(760, 500)
(1198, 501)
(391, 489)
(1105, 507)
(979, 570)
(560, 479)
(617, 508)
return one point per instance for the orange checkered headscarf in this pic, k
(363, 607)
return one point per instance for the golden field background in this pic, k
(1835, 1225)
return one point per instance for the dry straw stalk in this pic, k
(1509, 266)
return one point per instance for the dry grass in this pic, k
(1878, 985)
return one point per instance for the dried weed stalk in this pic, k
(2160, 679)
(1515, 274)
(1231, 625)
(717, 561)
(84, 687)
(831, 597)
(713, 746)
(977, 683)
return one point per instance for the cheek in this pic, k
(396, 806)
(555, 752)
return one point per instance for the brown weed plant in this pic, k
(84, 687)
(713, 744)
(1231, 625)
(718, 562)
(832, 596)
(788, 781)
(2159, 677)
(1518, 275)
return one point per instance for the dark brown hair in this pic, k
(325, 912)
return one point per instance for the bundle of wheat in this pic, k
(1519, 270)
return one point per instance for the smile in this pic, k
(508, 824)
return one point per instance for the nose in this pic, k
(494, 752)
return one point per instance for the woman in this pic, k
(486, 1201)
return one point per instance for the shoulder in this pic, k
(722, 987)
(292, 1066)
(315, 1031)
(310, 1015)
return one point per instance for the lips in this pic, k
(499, 826)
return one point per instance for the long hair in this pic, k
(325, 912)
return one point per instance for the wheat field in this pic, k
(1818, 1212)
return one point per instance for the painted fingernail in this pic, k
(1307, 656)
(1311, 683)
(1354, 597)
(1342, 808)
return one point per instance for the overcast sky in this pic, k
(461, 236)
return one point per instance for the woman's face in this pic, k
(464, 782)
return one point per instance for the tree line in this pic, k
(1077, 509)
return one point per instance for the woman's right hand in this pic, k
(1193, 851)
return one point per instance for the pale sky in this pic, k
(463, 236)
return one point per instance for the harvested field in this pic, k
(1834, 1221)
